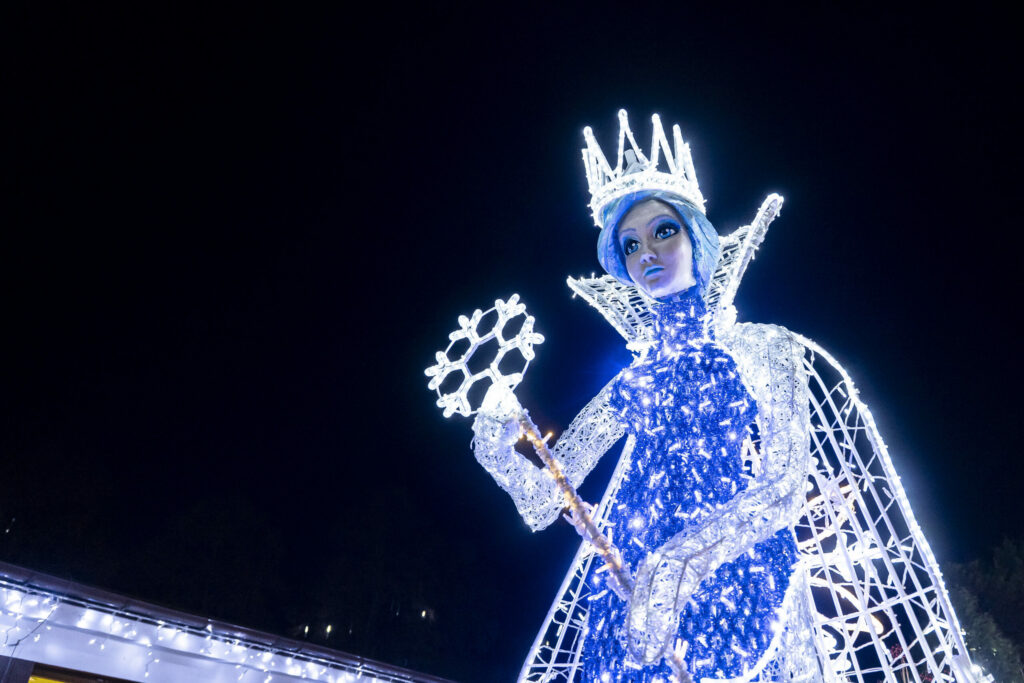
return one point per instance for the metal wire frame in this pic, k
(881, 605)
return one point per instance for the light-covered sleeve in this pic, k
(591, 433)
(770, 361)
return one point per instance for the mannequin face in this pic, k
(657, 248)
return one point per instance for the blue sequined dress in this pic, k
(688, 409)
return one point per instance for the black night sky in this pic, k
(233, 239)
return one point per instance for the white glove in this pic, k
(500, 403)
(496, 429)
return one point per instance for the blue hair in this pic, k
(703, 236)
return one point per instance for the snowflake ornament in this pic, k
(457, 370)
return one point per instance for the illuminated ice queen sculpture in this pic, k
(754, 527)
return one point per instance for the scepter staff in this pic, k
(458, 401)
(581, 517)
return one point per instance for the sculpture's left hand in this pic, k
(663, 585)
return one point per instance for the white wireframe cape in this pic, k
(869, 602)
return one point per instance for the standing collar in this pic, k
(681, 317)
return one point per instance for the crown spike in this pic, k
(677, 138)
(655, 147)
(688, 163)
(624, 127)
(596, 160)
(658, 143)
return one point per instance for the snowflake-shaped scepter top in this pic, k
(459, 369)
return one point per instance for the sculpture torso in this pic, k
(689, 411)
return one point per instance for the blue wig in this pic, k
(703, 236)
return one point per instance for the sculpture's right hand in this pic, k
(500, 403)
(496, 428)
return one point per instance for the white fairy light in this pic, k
(78, 633)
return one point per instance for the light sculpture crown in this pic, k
(640, 172)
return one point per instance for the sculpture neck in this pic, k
(682, 317)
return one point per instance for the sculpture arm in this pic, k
(496, 430)
(770, 361)
(589, 436)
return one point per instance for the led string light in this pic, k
(60, 617)
(33, 608)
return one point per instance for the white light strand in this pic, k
(35, 622)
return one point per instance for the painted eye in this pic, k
(666, 230)
(629, 245)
